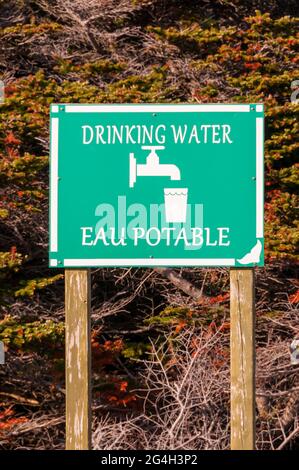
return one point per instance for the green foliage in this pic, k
(30, 287)
(29, 30)
(135, 350)
(156, 52)
(281, 224)
(190, 59)
(48, 335)
(169, 316)
(4, 213)
(137, 89)
(23, 170)
(105, 68)
(258, 64)
(10, 261)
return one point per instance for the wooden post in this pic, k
(78, 359)
(242, 347)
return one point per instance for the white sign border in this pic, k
(124, 262)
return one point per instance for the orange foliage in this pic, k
(11, 144)
(213, 328)
(6, 422)
(113, 346)
(225, 326)
(253, 65)
(294, 298)
(220, 357)
(180, 325)
(218, 298)
(13, 251)
(118, 394)
(5, 413)
(11, 140)
(213, 300)
(104, 354)
(122, 401)
(123, 386)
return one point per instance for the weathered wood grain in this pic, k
(242, 350)
(78, 359)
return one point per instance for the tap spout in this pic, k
(172, 171)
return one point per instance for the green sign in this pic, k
(156, 185)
